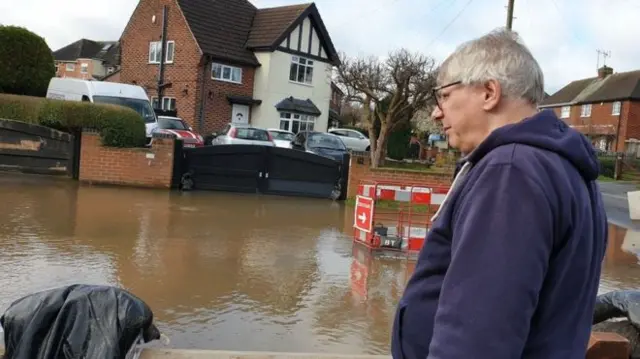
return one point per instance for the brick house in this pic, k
(605, 108)
(88, 59)
(228, 61)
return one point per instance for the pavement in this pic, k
(614, 196)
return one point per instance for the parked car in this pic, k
(282, 138)
(237, 134)
(354, 140)
(320, 143)
(178, 127)
(131, 96)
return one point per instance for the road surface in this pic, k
(614, 195)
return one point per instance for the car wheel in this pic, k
(368, 149)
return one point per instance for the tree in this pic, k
(390, 91)
(26, 62)
(424, 123)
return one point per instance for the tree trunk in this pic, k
(379, 154)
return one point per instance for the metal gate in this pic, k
(262, 169)
(32, 148)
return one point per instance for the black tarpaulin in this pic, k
(77, 321)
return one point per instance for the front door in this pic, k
(240, 114)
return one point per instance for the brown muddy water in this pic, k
(221, 271)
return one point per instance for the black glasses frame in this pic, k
(436, 91)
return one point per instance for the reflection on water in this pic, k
(222, 271)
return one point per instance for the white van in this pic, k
(131, 96)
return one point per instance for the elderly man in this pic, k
(511, 265)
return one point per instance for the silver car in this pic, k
(235, 134)
(281, 138)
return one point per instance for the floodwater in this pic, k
(221, 271)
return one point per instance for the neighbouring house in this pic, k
(88, 59)
(335, 105)
(228, 61)
(605, 108)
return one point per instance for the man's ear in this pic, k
(492, 94)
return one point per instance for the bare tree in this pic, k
(390, 91)
(424, 122)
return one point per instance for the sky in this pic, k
(563, 35)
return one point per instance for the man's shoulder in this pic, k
(523, 157)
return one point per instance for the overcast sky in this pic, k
(563, 34)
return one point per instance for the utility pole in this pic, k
(510, 15)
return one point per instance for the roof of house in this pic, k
(615, 87)
(221, 27)
(271, 23)
(231, 29)
(88, 49)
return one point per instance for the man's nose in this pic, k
(436, 113)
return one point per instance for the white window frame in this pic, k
(165, 100)
(616, 107)
(84, 68)
(70, 67)
(231, 70)
(585, 110)
(154, 52)
(298, 62)
(565, 112)
(287, 120)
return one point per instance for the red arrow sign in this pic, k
(363, 217)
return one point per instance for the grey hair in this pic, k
(499, 55)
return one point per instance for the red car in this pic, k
(176, 126)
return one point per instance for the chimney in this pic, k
(604, 71)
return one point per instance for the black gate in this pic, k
(36, 149)
(262, 169)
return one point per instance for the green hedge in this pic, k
(118, 126)
(607, 166)
(26, 62)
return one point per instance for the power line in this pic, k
(450, 23)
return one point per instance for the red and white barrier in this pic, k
(417, 195)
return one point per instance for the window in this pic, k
(296, 122)
(586, 111)
(71, 67)
(142, 107)
(565, 112)
(168, 103)
(226, 73)
(155, 50)
(615, 108)
(84, 68)
(301, 70)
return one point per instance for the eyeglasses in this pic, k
(436, 92)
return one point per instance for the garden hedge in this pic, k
(26, 62)
(118, 126)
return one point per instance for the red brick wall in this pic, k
(126, 166)
(113, 78)
(182, 73)
(359, 172)
(631, 113)
(217, 109)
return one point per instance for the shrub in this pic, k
(607, 166)
(118, 126)
(26, 62)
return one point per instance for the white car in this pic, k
(237, 134)
(354, 140)
(282, 138)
